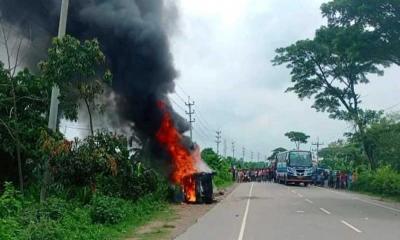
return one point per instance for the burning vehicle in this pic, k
(188, 170)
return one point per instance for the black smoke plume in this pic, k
(134, 37)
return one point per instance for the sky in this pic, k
(223, 50)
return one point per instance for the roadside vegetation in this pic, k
(51, 188)
(221, 167)
(360, 39)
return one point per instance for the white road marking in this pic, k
(308, 200)
(245, 214)
(299, 195)
(293, 191)
(325, 211)
(300, 211)
(351, 226)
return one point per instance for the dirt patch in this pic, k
(175, 220)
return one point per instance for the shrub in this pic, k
(10, 229)
(384, 180)
(107, 210)
(10, 201)
(45, 229)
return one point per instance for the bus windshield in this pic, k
(300, 159)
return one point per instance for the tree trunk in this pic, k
(90, 117)
(17, 139)
(19, 160)
(367, 146)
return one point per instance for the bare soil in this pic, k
(175, 220)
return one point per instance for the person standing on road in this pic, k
(349, 180)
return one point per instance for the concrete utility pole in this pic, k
(218, 140)
(225, 147)
(251, 156)
(258, 157)
(243, 153)
(55, 91)
(233, 149)
(190, 113)
(318, 144)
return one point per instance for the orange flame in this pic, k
(183, 164)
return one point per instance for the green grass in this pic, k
(160, 231)
(71, 220)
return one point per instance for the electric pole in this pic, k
(317, 144)
(190, 105)
(55, 91)
(218, 140)
(225, 147)
(243, 153)
(233, 149)
(251, 156)
(258, 157)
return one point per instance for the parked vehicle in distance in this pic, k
(294, 166)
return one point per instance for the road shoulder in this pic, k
(176, 219)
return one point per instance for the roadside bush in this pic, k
(220, 166)
(10, 229)
(10, 201)
(107, 210)
(45, 229)
(384, 181)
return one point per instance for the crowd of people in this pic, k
(325, 178)
(253, 175)
(335, 179)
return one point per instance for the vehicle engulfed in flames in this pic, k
(188, 170)
(198, 188)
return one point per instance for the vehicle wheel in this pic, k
(306, 184)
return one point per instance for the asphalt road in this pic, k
(262, 211)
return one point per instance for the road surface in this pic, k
(262, 211)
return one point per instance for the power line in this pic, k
(177, 105)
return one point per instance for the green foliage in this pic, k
(275, 152)
(384, 181)
(221, 167)
(297, 137)
(10, 201)
(384, 139)
(107, 210)
(341, 155)
(78, 69)
(65, 220)
(377, 19)
(357, 42)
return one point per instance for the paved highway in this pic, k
(262, 211)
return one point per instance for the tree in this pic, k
(380, 20)
(297, 138)
(329, 68)
(23, 102)
(275, 152)
(78, 69)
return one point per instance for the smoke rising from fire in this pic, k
(134, 37)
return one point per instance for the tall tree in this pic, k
(276, 151)
(329, 68)
(297, 137)
(78, 68)
(23, 102)
(380, 20)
